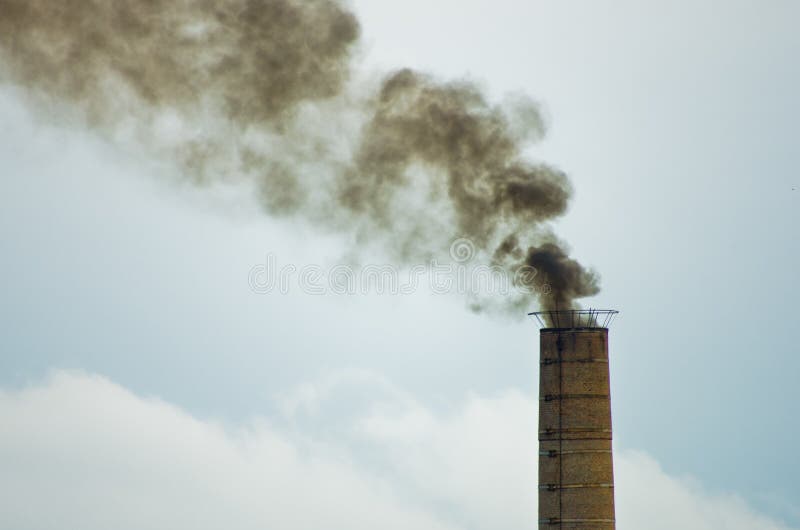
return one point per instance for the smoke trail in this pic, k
(263, 89)
(255, 58)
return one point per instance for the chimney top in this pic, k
(575, 318)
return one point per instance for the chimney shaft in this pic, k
(576, 477)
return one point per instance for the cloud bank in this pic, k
(353, 452)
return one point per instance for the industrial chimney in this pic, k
(576, 476)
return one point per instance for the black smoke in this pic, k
(265, 90)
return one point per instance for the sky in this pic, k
(144, 383)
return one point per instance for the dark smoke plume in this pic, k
(264, 90)
(256, 59)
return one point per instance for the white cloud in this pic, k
(78, 451)
(81, 452)
(649, 498)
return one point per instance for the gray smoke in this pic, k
(264, 90)
(256, 59)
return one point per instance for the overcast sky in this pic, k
(144, 384)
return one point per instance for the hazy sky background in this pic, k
(677, 124)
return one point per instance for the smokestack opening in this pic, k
(575, 318)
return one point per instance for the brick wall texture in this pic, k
(576, 478)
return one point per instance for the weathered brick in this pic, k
(576, 474)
